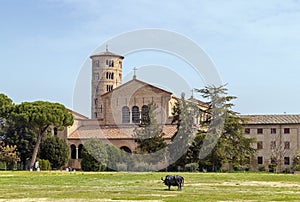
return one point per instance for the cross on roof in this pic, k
(134, 72)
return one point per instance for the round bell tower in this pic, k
(106, 76)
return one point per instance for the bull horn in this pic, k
(162, 179)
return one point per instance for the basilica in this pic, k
(117, 108)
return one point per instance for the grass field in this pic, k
(111, 186)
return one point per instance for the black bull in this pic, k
(173, 180)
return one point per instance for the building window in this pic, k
(286, 145)
(273, 160)
(96, 115)
(259, 145)
(259, 131)
(109, 88)
(125, 114)
(126, 149)
(259, 160)
(100, 108)
(97, 76)
(109, 63)
(273, 145)
(286, 130)
(247, 130)
(96, 102)
(286, 160)
(135, 114)
(145, 114)
(73, 151)
(109, 75)
(80, 147)
(97, 63)
(273, 130)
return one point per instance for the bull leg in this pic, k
(169, 186)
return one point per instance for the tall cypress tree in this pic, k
(224, 141)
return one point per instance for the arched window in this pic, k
(126, 149)
(97, 76)
(125, 114)
(145, 115)
(96, 63)
(109, 75)
(73, 151)
(135, 114)
(80, 147)
(109, 88)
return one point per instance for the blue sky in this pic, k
(255, 45)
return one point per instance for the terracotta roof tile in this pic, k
(114, 132)
(273, 119)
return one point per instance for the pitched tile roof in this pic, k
(77, 115)
(273, 119)
(199, 102)
(137, 83)
(114, 132)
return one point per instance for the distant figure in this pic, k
(36, 166)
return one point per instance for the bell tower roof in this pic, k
(106, 53)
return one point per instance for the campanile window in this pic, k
(97, 63)
(110, 63)
(109, 88)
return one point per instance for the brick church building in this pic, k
(117, 108)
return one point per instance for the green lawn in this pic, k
(111, 186)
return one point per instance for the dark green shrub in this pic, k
(192, 167)
(141, 167)
(272, 168)
(287, 170)
(94, 155)
(121, 166)
(44, 164)
(55, 150)
(261, 168)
